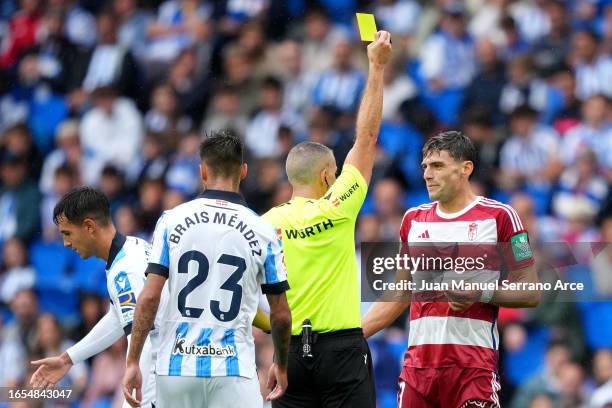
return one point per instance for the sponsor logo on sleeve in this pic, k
(122, 283)
(520, 247)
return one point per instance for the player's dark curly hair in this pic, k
(456, 143)
(223, 152)
(80, 203)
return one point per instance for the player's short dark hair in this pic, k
(223, 152)
(80, 203)
(456, 143)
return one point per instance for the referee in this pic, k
(329, 359)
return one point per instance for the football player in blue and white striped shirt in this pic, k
(83, 218)
(215, 253)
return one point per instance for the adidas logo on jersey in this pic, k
(211, 350)
(424, 234)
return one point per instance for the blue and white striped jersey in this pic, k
(125, 276)
(215, 253)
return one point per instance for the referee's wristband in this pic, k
(486, 296)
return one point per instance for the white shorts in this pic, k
(215, 392)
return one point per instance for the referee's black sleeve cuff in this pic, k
(157, 269)
(275, 288)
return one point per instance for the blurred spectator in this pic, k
(91, 311)
(19, 200)
(486, 20)
(321, 36)
(51, 342)
(532, 19)
(78, 22)
(448, 56)
(22, 328)
(67, 153)
(12, 360)
(252, 40)
(602, 370)
(184, 172)
(553, 48)
(564, 81)
(165, 116)
(225, 113)
(31, 100)
(594, 133)
(106, 375)
(238, 72)
(523, 87)
(542, 401)
(262, 133)
(513, 44)
(388, 197)
(133, 23)
(112, 184)
(571, 384)
(530, 154)
(150, 194)
(485, 89)
(179, 25)
(17, 274)
(398, 88)
(55, 52)
(341, 85)
(399, 17)
(17, 140)
(22, 32)
(321, 129)
(297, 82)
(150, 162)
(548, 380)
(107, 64)
(602, 263)
(581, 182)
(187, 78)
(593, 69)
(110, 133)
(65, 178)
(127, 223)
(259, 195)
(479, 128)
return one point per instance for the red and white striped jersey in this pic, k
(440, 337)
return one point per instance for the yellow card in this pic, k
(367, 26)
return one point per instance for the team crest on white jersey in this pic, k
(472, 231)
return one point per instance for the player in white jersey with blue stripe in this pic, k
(215, 253)
(83, 218)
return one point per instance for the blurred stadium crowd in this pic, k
(119, 93)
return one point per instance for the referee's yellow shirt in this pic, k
(318, 238)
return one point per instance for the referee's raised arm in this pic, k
(329, 362)
(370, 111)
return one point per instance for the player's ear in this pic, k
(89, 224)
(468, 168)
(203, 173)
(244, 169)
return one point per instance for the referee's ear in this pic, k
(244, 169)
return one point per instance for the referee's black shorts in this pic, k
(340, 373)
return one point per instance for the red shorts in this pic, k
(448, 387)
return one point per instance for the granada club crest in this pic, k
(472, 231)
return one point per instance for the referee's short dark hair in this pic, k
(81, 203)
(223, 152)
(456, 143)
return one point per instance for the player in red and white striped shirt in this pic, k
(451, 361)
